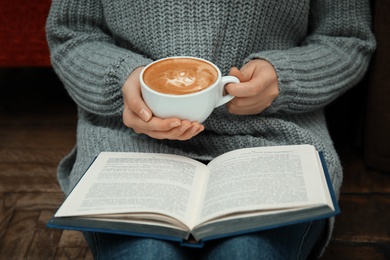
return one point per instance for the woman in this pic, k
(294, 58)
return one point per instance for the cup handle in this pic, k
(225, 80)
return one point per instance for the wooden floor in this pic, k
(37, 128)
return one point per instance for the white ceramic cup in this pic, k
(194, 106)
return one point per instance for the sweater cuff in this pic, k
(116, 77)
(286, 79)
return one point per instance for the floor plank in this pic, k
(16, 240)
(28, 177)
(45, 241)
(360, 179)
(73, 253)
(32, 155)
(38, 136)
(353, 251)
(33, 200)
(363, 218)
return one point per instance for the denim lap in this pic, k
(289, 242)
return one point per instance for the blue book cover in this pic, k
(278, 167)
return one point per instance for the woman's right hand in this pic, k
(137, 115)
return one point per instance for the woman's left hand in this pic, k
(257, 90)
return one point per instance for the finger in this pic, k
(190, 132)
(245, 89)
(156, 124)
(196, 128)
(251, 105)
(132, 95)
(185, 131)
(176, 133)
(246, 110)
(239, 74)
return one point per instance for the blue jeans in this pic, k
(289, 242)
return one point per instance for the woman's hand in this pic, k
(137, 115)
(257, 90)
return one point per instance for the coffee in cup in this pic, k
(184, 87)
(180, 76)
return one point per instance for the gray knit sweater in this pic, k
(319, 48)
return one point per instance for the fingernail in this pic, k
(175, 124)
(145, 115)
(194, 129)
(185, 127)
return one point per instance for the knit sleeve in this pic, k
(333, 57)
(84, 56)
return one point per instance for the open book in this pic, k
(173, 197)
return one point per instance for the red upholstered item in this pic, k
(22, 33)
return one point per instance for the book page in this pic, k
(263, 178)
(136, 182)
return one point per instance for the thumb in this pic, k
(133, 98)
(237, 73)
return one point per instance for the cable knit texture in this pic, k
(319, 48)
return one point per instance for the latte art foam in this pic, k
(180, 76)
